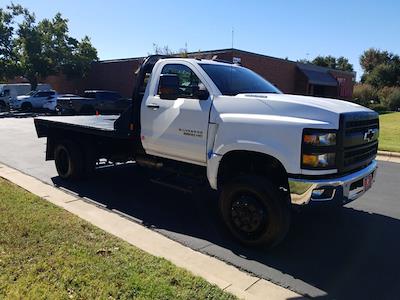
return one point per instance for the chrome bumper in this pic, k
(343, 189)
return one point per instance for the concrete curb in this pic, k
(389, 156)
(227, 277)
(388, 153)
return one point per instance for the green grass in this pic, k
(298, 188)
(48, 253)
(389, 138)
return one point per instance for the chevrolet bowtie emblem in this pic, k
(369, 135)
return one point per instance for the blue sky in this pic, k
(293, 29)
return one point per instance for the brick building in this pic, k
(289, 76)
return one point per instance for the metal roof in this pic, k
(317, 75)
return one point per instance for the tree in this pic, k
(165, 50)
(44, 48)
(343, 64)
(325, 61)
(381, 68)
(383, 75)
(329, 61)
(372, 57)
(8, 64)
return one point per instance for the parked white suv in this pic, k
(35, 99)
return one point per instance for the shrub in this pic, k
(379, 108)
(392, 101)
(363, 94)
(385, 92)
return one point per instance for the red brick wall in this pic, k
(114, 76)
(279, 72)
(119, 75)
(62, 85)
(346, 84)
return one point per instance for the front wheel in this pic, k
(26, 107)
(255, 211)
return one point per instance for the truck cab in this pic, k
(263, 151)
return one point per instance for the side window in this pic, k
(187, 79)
(40, 94)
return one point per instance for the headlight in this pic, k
(319, 161)
(318, 149)
(319, 138)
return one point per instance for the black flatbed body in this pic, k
(99, 125)
(112, 135)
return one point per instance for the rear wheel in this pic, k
(69, 160)
(26, 107)
(255, 211)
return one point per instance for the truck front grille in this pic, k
(358, 140)
(359, 154)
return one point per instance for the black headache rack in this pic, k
(130, 119)
(357, 140)
(126, 126)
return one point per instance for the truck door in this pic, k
(177, 129)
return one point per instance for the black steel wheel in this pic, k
(69, 160)
(255, 212)
(248, 214)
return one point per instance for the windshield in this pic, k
(233, 80)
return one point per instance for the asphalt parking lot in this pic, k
(352, 256)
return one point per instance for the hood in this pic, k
(23, 97)
(330, 104)
(323, 112)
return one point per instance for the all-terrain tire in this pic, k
(255, 211)
(69, 160)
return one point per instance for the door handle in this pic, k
(153, 106)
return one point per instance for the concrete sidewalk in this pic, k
(227, 277)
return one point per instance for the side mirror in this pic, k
(168, 87)
(200, 92)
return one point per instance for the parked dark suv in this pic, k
(104, 102)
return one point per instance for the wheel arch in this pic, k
(238, 162)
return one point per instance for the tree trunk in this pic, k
(33, 81)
